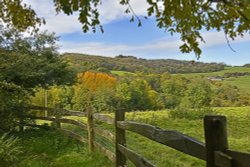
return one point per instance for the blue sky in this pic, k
(123, 37)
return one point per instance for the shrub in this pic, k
(9, 150)
(192, 114)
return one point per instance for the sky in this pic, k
(122, 37)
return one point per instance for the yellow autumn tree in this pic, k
(96, 89)
(94, 81)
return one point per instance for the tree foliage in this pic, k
(187, 18)
(95, 89)
(132, 64)
(32, 61)
(26, 63)
(17, 14)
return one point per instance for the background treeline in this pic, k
(246, 65)
(107, 93)
(85, 62)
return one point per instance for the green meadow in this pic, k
(53, 149)
(122, 73)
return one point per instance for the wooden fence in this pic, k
(214, 151)
(59, 116)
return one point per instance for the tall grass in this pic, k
(9, 150)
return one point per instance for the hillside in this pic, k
(85, 62)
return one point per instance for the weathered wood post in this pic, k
(216, 141)
(90, 126)
(57, 113)
(59, 110)
(21, 122)
(120, 138)
(45, 102)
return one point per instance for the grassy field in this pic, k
(238, 131)
(243, 83)
(122, 73)
(219, 73)
(43, 148)
(163, 156)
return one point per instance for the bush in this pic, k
(12, 100)
(192, 114)
(9, 150)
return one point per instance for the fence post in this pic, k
(45, 102)
(21, 121)
(58, 115)
(215, 137)
(91, 134)
(120, 138)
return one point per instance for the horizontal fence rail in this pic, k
(64, 112)
(240, 159)
(73, 135)
(134, 157)
(105, 133)
(169, 138)
(106, 152)
(60, 120)
(215, 151)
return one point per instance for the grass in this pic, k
(219, 73)
(243, 83)
(49, 148)
(122, 73)
(43, 148)
(163, 156)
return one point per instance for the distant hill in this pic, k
(85, 62)
(247, 65)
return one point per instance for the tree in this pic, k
(138, 95)
(56, 95)
(32, 61)
(26, 63)
(198, 94)
(173, 89)
(187, 18)
(95, 90)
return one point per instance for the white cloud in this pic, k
(111, 49)
(58, 23)
(110, 10)
(219, 38)
(168, 46)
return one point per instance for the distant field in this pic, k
(243, 82)
(122, 73)
(219, 73)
